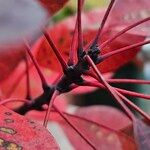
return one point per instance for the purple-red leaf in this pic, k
(125, 13)
(102, 137)
(10, 56)
(17, 132)
(18, 89)
(99, 135)
(116, 61)
(105, 115)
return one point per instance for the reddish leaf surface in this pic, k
(114, 62)
(9, 59)
(18, 89)
(17, 133)
(61, 33)
(105, 115)
(53, 5)
(102, 137)
(127, 12)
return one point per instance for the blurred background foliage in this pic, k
(70, 8)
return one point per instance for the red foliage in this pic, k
(134, 13)
(53, 5)
(9, 59)
(101, 136)
(103, 116)
(17, 132)
(61, 33)
(95, 129)
(19, 89)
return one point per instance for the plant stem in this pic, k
(15, 83)
(36, 103)
(109, 88)
(74, 42)
(56, 51)
(121, 50)
(133, 94)
(103, 22)
(131, 104)
(99, 85)
(134, 81)
(123, 31)
(80, 36)
(55, 94)
(74, 127)
(43, 80)
(126, 92)
(73, 47)
(28, 95)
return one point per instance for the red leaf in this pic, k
(9, 59)
(104, 115)
(128, 12)
(102, 137)
(18, 89)
(53, 5)
(61, 33)
(17, 132)
(116, 61)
